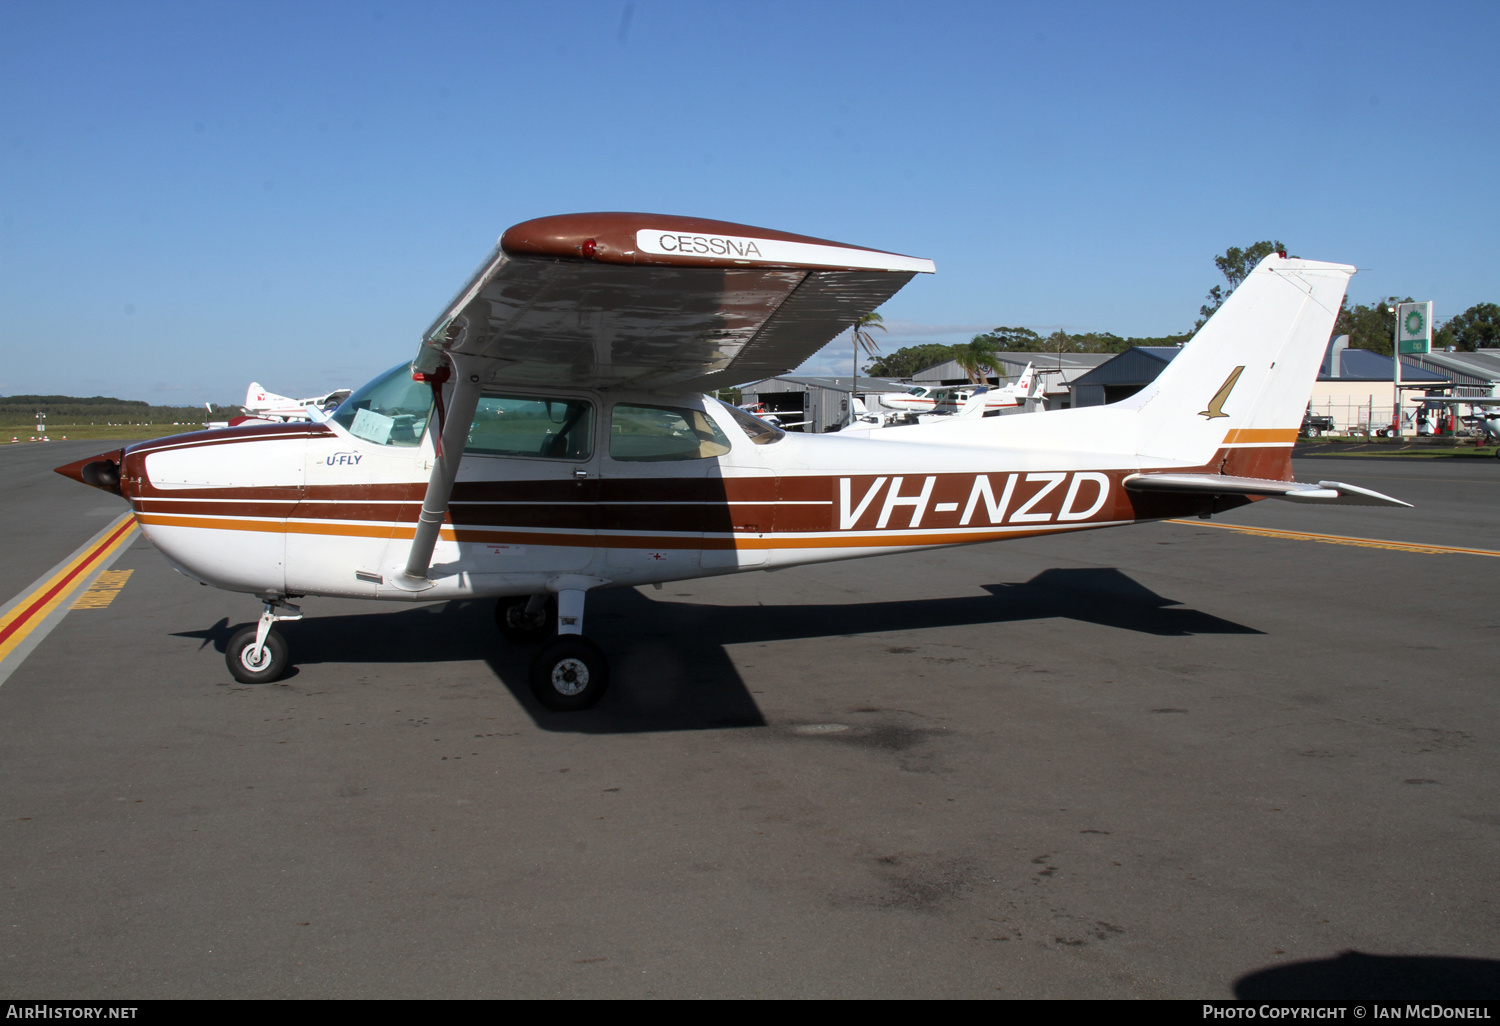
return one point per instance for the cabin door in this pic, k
(527, 490)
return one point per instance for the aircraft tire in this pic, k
(273, 662)
(569, 674)
(511, 619)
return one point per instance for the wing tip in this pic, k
(633, 238)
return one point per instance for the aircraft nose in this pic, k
(102, 471)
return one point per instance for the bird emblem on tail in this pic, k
(1216, 404)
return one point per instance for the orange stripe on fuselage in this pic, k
(1261, 436)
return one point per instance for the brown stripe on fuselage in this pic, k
(867, 539)
(1268, 463)
(224, 436)
(744, 512)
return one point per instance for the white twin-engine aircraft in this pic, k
(552, 438)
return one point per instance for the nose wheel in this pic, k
(526, 619)
(258, 654)
(252, 664)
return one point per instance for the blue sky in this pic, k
(195, 195)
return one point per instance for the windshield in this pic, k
(759, 432)
(391, 410)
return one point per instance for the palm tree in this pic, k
(975, 357)
(862, 340)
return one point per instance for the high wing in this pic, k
(657, 302)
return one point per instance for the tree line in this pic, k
(1369, 327)
(22, 409)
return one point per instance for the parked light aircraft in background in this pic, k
(552, 437)
(916, 399)
(1489, 419)
(965, 400)
(262, 407)
(991, 401)
(1005, 397)
(270, 406)
(267, 408)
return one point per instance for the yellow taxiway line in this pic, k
(1342, 539)
(31, 610)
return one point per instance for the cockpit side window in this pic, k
(539, 426)
(391, 410)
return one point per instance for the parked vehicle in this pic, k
(1315, 424)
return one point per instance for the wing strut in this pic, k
(462, 403)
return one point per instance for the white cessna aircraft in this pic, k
(964, 401)
(916, 399)
(551, 438)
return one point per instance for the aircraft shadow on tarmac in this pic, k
(670, 669)
(1353, 976)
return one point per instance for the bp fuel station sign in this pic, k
(1414, 329)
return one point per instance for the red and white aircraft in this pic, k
(262, 407)
(270, 406)
(964, 400)
(1007, 397)
(916, 399)
(552, 438)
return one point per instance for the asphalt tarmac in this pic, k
(1165, 761)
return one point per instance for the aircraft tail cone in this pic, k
(102, 471)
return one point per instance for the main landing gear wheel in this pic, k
(521, 627)
(570, 673)
(247, 669)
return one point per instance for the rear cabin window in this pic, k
(545, 428)
(650, 434)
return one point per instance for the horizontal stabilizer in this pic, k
(1334, 493)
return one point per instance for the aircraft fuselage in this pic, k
(311, 509)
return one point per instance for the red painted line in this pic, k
(72, 575)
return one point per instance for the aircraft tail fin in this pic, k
(1025, 382)
(1244, 380)
(257, 398)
